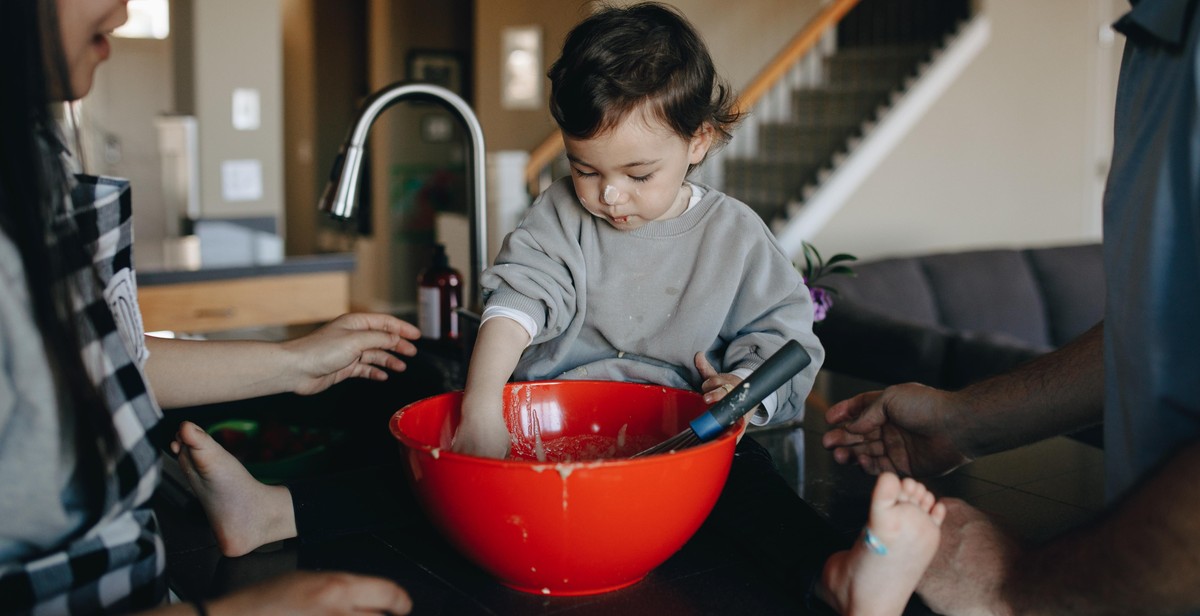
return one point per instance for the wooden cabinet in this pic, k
(213, 305)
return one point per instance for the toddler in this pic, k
(626, 271)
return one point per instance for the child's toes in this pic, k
(926, 502)
(938, 513)
(913, 489)
(888, 490)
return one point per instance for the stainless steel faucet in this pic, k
(339, 199)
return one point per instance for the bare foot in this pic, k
(244, 513)
(877, 576)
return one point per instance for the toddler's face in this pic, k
(634, 173)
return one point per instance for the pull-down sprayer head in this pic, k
(340, 196)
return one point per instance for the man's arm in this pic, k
(1048, 396)
(916, 430)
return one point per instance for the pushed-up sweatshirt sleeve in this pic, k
(773, 306)
(540, 264)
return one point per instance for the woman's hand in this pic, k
(306, 592)
(357, 345)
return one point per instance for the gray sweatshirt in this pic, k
(638, 305)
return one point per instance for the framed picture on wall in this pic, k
(439, 67)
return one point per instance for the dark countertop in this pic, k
(722, 570)
(307, 264)
(747, 558)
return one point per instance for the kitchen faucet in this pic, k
(339, 198)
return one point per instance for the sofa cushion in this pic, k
(950, 319)
(974, 356)
(1072, 283)
(869, 344)
(991, 291)
(894, 287)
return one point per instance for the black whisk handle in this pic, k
(779, 368)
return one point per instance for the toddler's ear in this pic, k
(701, 142)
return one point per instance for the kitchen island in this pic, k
(768, 526)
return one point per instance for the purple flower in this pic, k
(815, 268)
(822, 301)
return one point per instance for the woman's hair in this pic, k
(621, 58)
(33, 186)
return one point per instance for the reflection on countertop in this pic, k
(305, 264)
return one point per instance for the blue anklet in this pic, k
(873, 542)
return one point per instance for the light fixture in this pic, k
(148, 19)
(521, 81)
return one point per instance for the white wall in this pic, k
(743, 41)
(1013, 153)
(120, 137)
(238, 44)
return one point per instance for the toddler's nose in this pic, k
(611, 195)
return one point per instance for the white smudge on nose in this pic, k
(611, 194)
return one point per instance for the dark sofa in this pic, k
(950, 319)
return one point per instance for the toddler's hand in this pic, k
(482, 432)
(716, 385)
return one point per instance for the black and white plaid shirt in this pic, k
(118, 564)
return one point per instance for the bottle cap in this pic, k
(440, 260)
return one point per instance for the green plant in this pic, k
(815, 269)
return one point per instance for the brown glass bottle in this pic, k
(439, 295)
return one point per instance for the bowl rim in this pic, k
(731, 432)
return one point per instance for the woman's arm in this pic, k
(191, 372)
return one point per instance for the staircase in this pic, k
(822, 121)
(823, 127)
(830, 107)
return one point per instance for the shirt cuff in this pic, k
(522, 319)
(766, 409)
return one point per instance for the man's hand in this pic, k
(903, 429)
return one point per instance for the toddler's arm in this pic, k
(498, 347)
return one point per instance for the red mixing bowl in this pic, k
(568, 525)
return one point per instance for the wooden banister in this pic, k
(801, 44)
(772, 72)
(540, 158)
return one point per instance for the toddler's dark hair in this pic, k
(619, 58)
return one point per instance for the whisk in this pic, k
(780, 367)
